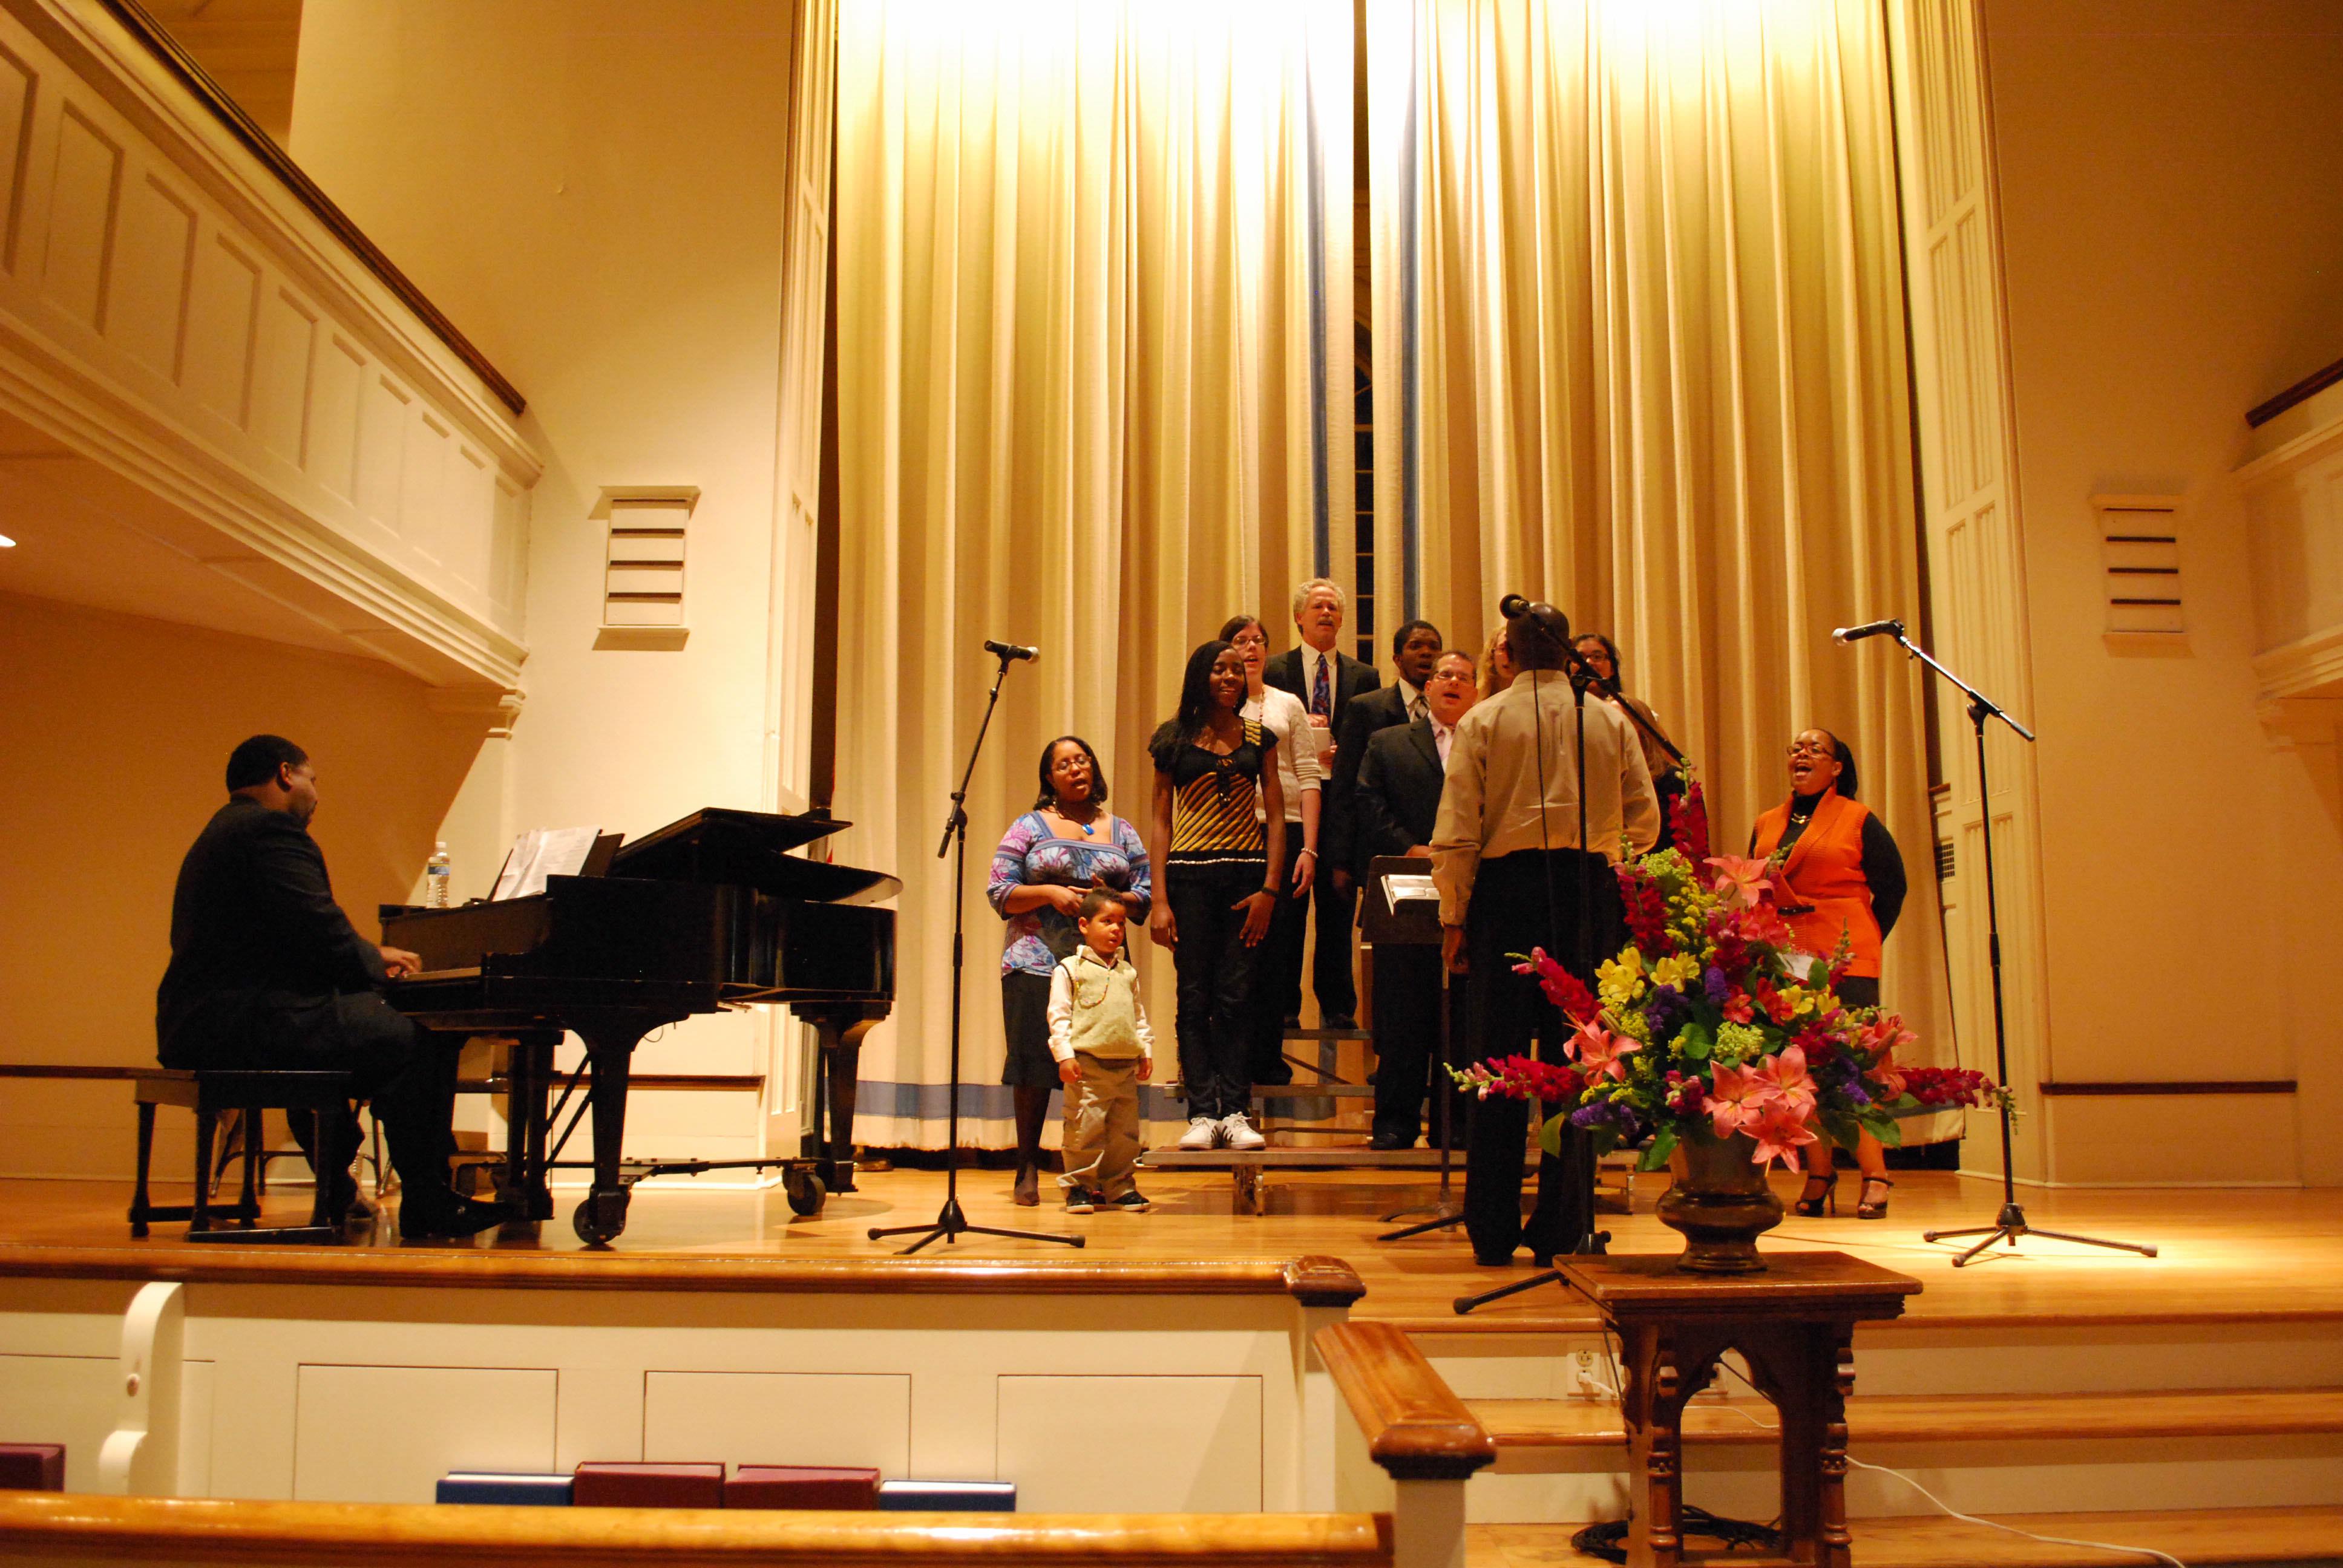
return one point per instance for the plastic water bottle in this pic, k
(436, 872)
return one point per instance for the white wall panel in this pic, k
(383, 410)
(387, 1433)
(158, 245)
(1141, 1444)
(223, 319)
(780, 1418)
(282, 377)
(15, 142)
(332, 450)
(61, 1399)
(81, 220)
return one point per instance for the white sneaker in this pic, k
(1202, 1132)
(1238, 1133)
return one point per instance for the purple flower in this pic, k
(1718, 986)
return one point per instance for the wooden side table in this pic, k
(1795, 1325)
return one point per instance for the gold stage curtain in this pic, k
(1661, 348)
(1076, 337)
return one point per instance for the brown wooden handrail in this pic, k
(1415, 1427)
(2302, 391)
(72, 1527)
(190, 73)
(1309, 1281)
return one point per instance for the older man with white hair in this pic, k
(1326, 679)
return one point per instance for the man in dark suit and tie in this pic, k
(1395, 803)
(1327, 680)
(267, 973)
(1414, 647)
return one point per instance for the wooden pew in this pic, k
(73, 1530)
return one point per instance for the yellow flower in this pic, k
(1621, 979)
(1675, 969)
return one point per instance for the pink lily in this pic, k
(1744, 876)
(1780, 1135)
(1741, 1100)
(1599, 1052)
(1786, 1075)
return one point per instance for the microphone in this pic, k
(1512, 605)
(1868, 629)
(1009, 651)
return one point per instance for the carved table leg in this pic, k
(1665, 1368)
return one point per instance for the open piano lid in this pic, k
(752, 848)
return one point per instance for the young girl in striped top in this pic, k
(1217, 828)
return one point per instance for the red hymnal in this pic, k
(802, 1486)
(601, 1484)
(41, 1467)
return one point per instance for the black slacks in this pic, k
(1337, 916)
(1215, 969)
(1517, 906)
(404, 1069)
(1407, 1039)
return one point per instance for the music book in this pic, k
(1399, 889)
(543, 852)
(947, 1496)
(619, 1484)
(511, 1490)
(802, 1486)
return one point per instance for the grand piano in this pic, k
(707, 913)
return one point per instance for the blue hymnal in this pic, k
(952, 1497)
(527, 1491)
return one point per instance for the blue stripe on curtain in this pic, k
(1321, 546)
(1411, 548)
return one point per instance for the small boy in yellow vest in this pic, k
(1099, 1034)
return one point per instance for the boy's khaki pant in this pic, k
(1102, 1142)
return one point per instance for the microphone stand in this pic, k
(951, 1224)
(2010, 1224)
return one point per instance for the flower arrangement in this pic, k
(1710, 1022)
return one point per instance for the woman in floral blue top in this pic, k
(1051, 856)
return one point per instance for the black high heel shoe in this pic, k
(1811, 1201)
(1865, 1207)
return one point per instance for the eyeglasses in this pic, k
(1807, 748)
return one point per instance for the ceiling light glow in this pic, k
(6, 543)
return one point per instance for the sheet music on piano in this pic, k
(539, 853)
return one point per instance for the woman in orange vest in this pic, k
(1842, 877)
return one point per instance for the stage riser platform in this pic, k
(337, 1395)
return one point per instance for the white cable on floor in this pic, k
(1951, 1511)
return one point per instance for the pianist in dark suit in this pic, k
(267, 973)
(1395, 803)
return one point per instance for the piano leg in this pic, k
(838, 1074)
(610, 1047)
(528, 1078)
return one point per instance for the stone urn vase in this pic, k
(1722, 1204)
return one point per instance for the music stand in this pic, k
(1414, 922)
(951, 1224)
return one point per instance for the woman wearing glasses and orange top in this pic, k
(1842, 876)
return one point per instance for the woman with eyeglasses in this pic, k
(1600, 656)
(1843, 875)
(1277, 970)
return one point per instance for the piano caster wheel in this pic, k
(805, 1193)
(600, 1218)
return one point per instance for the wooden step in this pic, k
(2200, 1538)
(1333, 1157)
(1536, 1423)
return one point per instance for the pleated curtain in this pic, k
(1660, 351)
(1086, 302)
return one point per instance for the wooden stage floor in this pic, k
(2233, 1255)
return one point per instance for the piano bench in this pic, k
(208, 1093)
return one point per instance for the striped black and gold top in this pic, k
(1213, 798)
